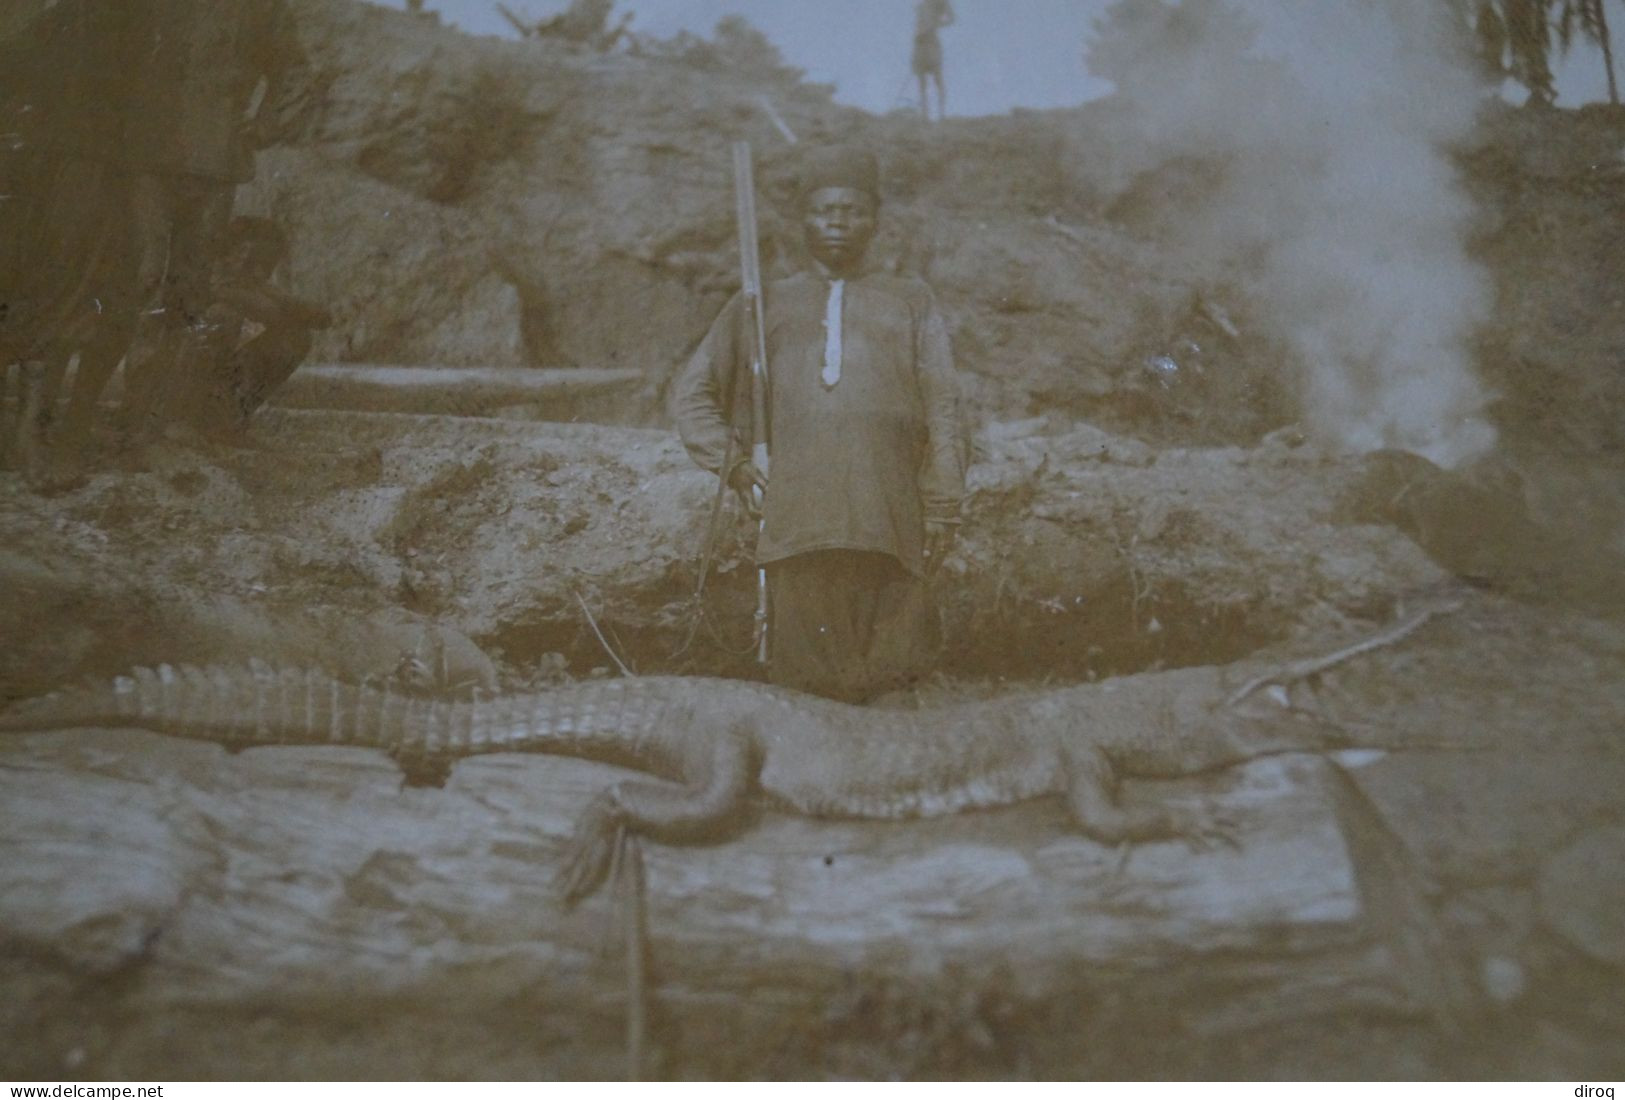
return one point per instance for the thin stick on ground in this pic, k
(592, 622)
(637, 1007)
(1299, 670)
(626, 877)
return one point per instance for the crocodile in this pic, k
(711, 749)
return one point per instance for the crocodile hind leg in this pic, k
(1092, 796)
(713, 793)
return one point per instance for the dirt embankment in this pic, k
(1083, 555)
(513, 202)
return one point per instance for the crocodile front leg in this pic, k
(1092, 796)
(713, 794)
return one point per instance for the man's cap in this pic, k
(840, 167)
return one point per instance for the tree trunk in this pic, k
(1605, 40)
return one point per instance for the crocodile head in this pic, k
(1269, 722)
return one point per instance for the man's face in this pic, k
(839, 223)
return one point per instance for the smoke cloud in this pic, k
(1320, 133)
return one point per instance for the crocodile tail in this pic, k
(236, 706)
(260, 705)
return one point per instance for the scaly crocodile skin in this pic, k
(709, 746)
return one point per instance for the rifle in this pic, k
(750, 264)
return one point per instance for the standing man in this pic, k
(867, 471)
(66, 271)
(213, 81)
(930, 16)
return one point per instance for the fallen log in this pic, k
(515, 393)
(296, 912)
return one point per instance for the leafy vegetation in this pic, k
(1516, 38)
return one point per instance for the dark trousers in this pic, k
(180, 221)
(849, 624)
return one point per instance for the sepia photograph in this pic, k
(812, 540)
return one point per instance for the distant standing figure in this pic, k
(930, 16)
(586, 23)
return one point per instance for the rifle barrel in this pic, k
(750, 266)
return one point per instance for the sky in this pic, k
(1000, 55)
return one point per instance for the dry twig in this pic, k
(1299, 670)
(626, 873)
(592, 622)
